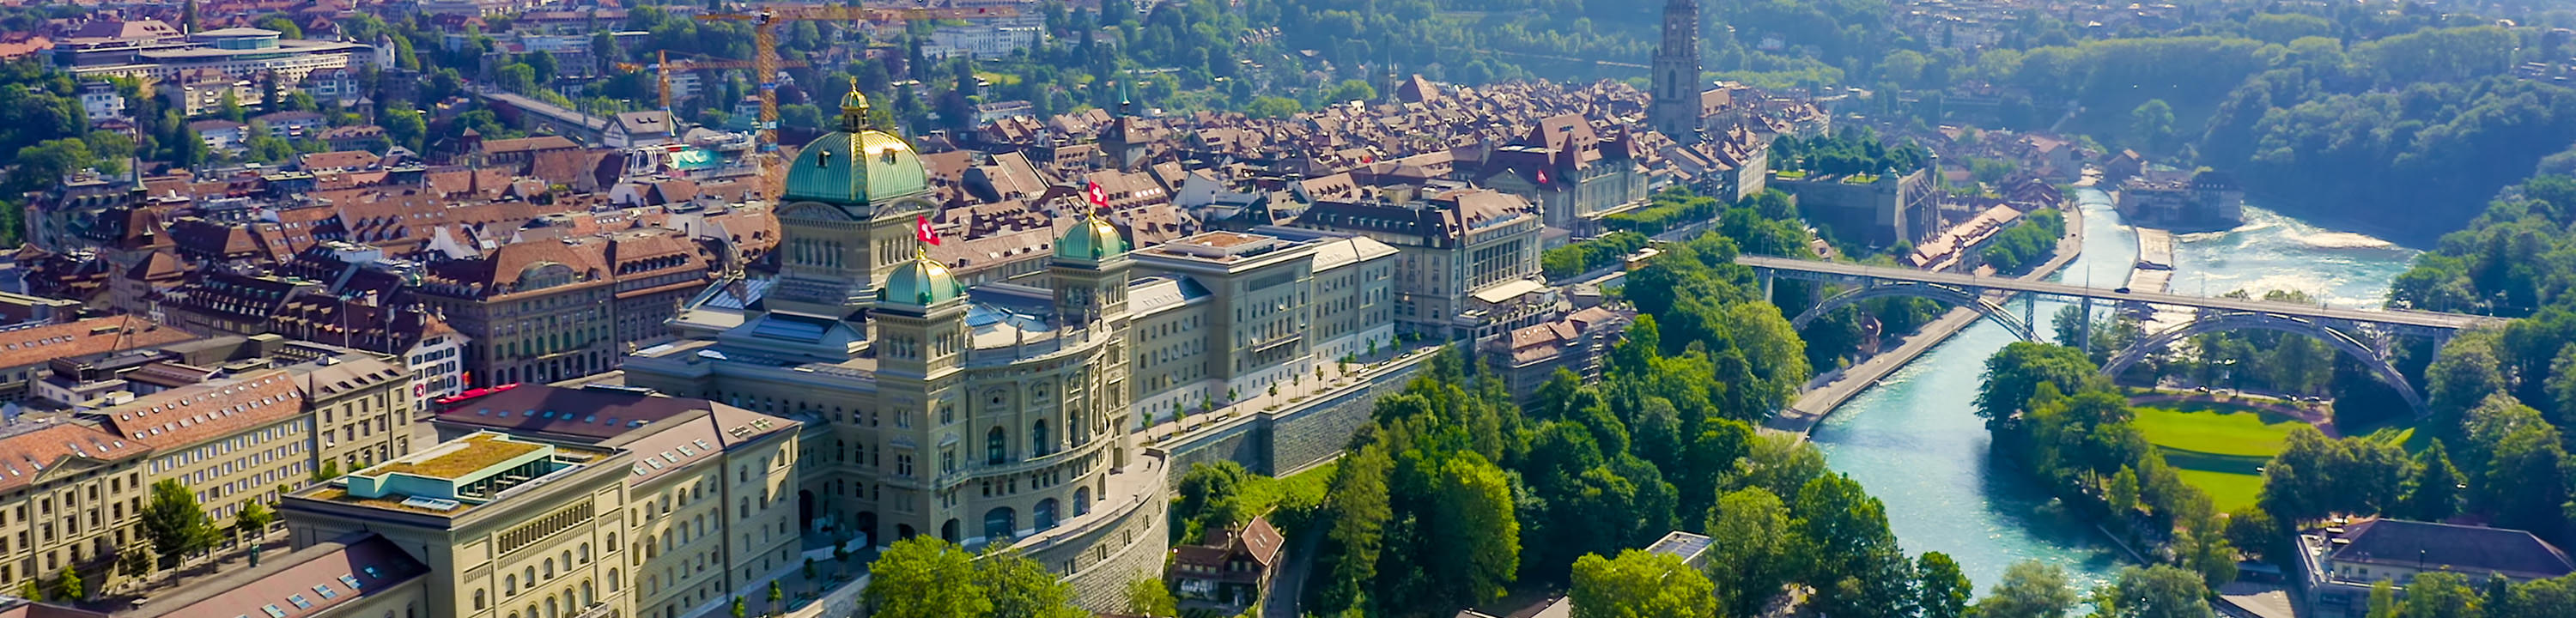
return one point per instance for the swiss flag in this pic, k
(1542, 176)
(1098, 197)
(921, 229)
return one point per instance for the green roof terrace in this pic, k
(472, 470)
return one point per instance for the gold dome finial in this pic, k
(854, 112)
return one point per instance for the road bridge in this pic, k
(2366, 335)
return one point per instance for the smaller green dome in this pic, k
(1092, 239)
(921, 283)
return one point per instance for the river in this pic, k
(1916, 443)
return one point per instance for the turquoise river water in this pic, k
(1915, 442)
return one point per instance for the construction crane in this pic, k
(663, 67)
(764, 21)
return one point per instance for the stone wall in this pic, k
(1306, 434)
(1101, 576)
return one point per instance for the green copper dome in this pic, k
(856, 165)
(1092, 239)
(921, 283)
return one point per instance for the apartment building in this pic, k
(712, 484)
(70, 495)
(509, 527)
(1452, 243)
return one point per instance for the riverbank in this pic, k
(1830, 390)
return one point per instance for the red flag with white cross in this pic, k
(921, 229)
(1098, 197)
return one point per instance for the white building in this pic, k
(100, 100)
(984, 39)
(244, 53)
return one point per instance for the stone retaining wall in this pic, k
(1301, 436)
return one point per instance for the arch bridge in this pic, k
(2365, 335)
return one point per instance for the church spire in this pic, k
(1675, 109)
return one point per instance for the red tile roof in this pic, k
(25, 456)
(373, 564)
(184, 416)
(21, 347)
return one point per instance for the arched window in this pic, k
(1081, 501)
(948, 531)
(585, 553)
(550, 570)
(999, 523)
(530, 574)
(479, 601)
(586, 596)
(510, 584)
(1045, 514)
(612, 580)
(1038, 444)
(994, 447)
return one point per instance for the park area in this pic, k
(2218, 447)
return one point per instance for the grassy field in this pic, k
(1264, 492)
(2219, 448)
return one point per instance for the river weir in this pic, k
(1914, 440)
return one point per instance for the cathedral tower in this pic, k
(1675, 110)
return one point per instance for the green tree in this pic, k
(135, 559)
(2383, 600)
(2441, 595)
(2464, 372)
(44, 164)
(2122, 494)
(918, 578)
(2548, 598)
(2014, 374)
(1351, 90)
(1273, 107)
(284, 25)
(28, 590)
(2434, 492)
(253, 520)
(404, 127)
(1360, 515)
(2161, 591)
(1148, 597)
(776, 593)
(2152, 123)
(1021, 588)
(1844, 539)
(2029, 589)
(1474, 512)
(1640, 584)
(1209, 499)
(1943, 590)
(1749, 533)
(2204, 548)
(175, 524)
(739, 609)
(1904, 67)
(67, 585)
(230, 107)
(2527, 481)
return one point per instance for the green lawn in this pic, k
(2219, 448)
(1264, 492)
(2216, 428)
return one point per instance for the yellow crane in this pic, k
(663, 67)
